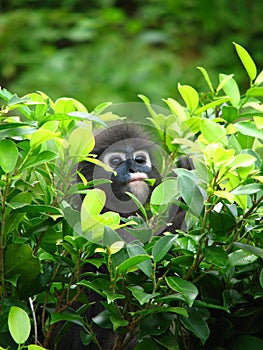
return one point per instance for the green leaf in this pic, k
(216, 256)
(186, 288)
(8, 155)
(155, 324)
(147, 343)
(164, 194)
(250, 249)
(134, 249)
(192, 194)
(231, 89)
(162, 246)
(42, 135)
(74, 318)
(176, 108)
(242, 160)
(207, 78)
(261, 278)
(212, 132)
(212, 104)
(111, 297)
(19, 324)
(93, 203)
(132, 263)
(190, 96)
(259, 78)
(34, 208)
(40, 158)
(223, 81)
(247, 342)
(66, 105)
(196, 324)
(249, 129)
(229, 113)
(140, 295)
(81, 142)
(241, 257)
(254, 92)
(247, 61)
(248, 189)
(138, 203)
(117, 322)
(19, 261)
(35, 347)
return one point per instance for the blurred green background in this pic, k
(109, 50)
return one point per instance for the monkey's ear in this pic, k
(185, 162)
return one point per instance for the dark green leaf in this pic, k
(196, 324)
(216, 256)
(247, 342)
(162, 246)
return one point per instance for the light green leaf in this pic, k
(176, 108)
(35, 347)
(242, 160)
(207, 78)
(93, 202)
(247, 61)
(19, 324)
(66, 105)
(81, 142)
(42, 135)
(223, 82)
(164, 193)
(8, 155)
(231, 89)
(212, 132)
(249, 129)
(212, 104)
(259, 78)
(190, 96)
(248, 189)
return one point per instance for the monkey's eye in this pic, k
(115, 161)
(140, 159)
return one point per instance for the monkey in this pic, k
(128, 152)
(131, 159)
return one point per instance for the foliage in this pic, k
(111, 50)
(199, 288)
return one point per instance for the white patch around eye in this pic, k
(145, 155)
(108, 156)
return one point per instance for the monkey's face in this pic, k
(131, 163)
(132, 168)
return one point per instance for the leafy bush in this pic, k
(199, 288)
(109, 50)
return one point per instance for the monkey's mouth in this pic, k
(138, 177)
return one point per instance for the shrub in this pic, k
(191, 289)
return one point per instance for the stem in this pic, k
(34, 318)
(2, 237)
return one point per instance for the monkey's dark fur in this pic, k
(132, 145)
